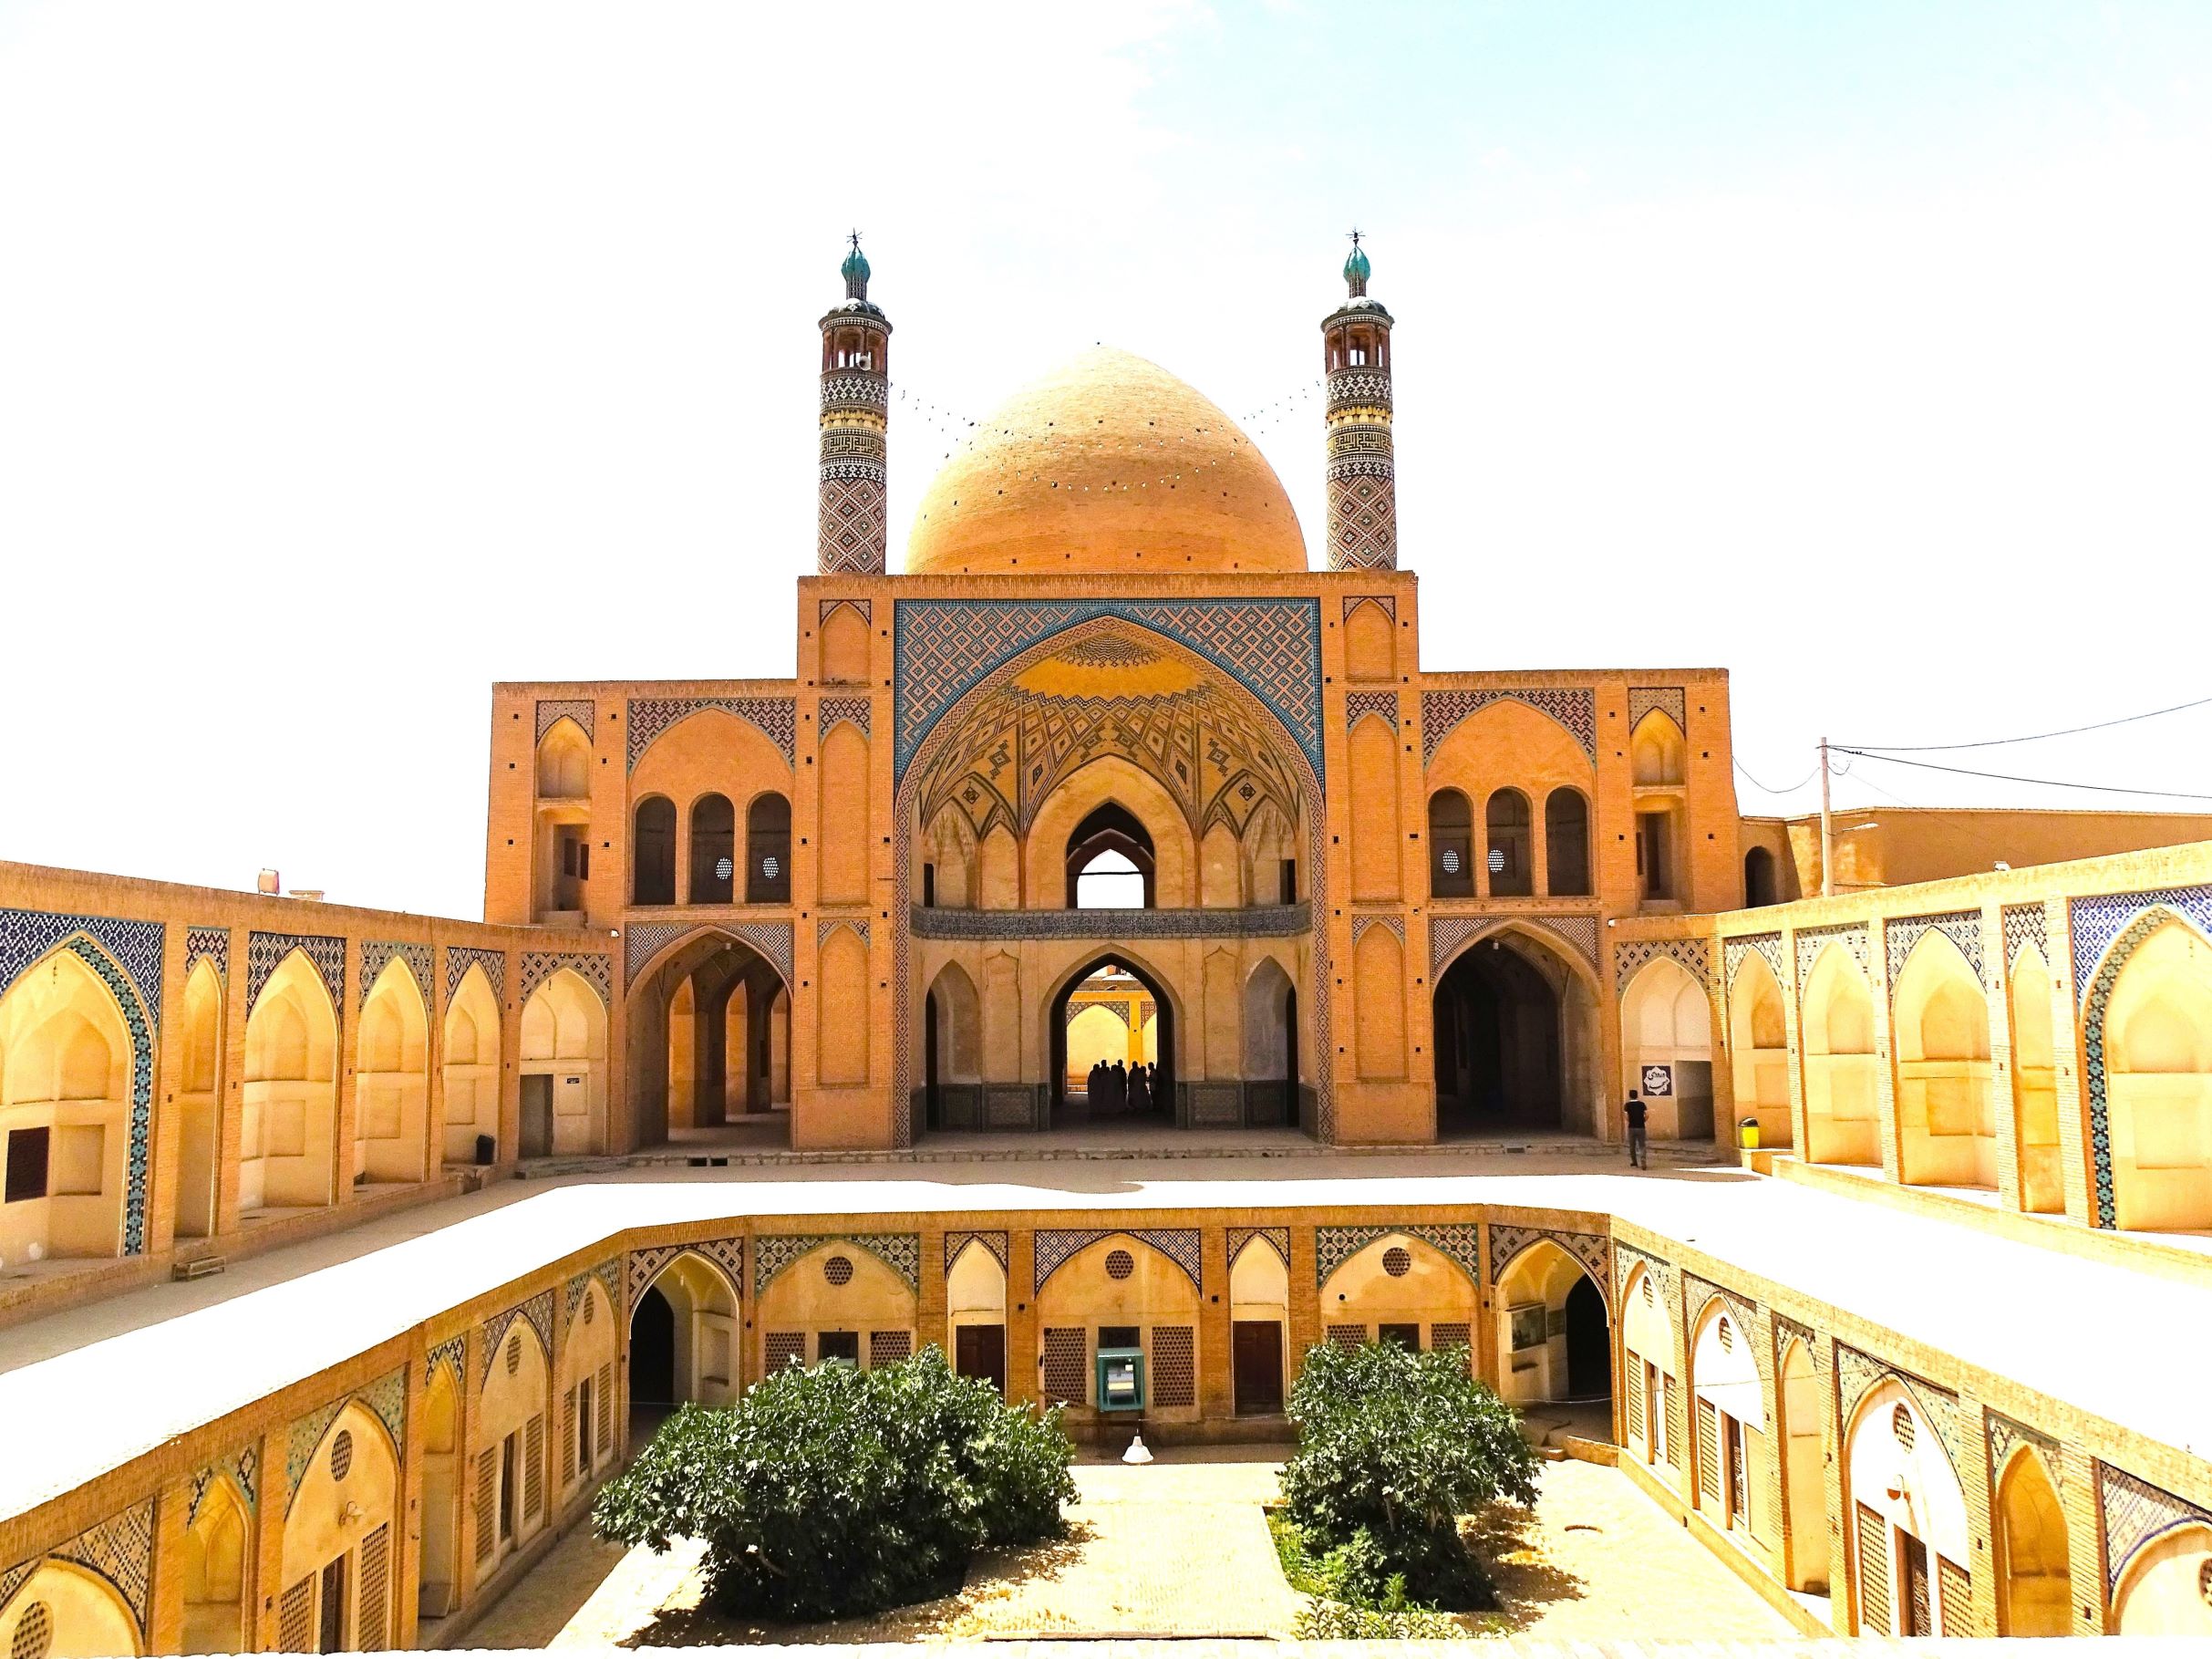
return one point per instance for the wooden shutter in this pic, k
(487, 1501)
(568, 1437)
(1874, 1573)
(1674, 1437)
(372, 1618)
(534, 1465)
(1955, 1592)
(605, 1391)
(1709, 1451)
(1068, 1365)
(295, 1618)
(1636, 1397)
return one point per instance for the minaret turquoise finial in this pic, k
(1355, 269)
(855, 271)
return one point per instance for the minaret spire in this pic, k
(1362, 472)
(851, 520)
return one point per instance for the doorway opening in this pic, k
(1502, 1049)
(1113, 1047)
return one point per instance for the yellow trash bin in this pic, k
(1747, 1134)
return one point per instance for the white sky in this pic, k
(354, 356)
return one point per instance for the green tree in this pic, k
(834, 1491)
(1395, 1446)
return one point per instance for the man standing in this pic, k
(1639, 1148)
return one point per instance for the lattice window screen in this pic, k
(1635, 1395)
(1955, 1592)
(889, 1347)
(534, 1465)
(1454, 1333)
(568, 1437)
(487, 1500)
(1067, 1366)
(1175, 1370)
(1347, 1336)
(1874, 1573)
(1710, 1483)
(1669, 1419)
(374, 1620)
(605, 1393)
(782, 1348)
(295, 1618)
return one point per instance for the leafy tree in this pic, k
(1395, 1446)
(833, 1491)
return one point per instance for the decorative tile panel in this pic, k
(1786, 1328)
(213, 944)
(1244, 921)
(2096, 922)
(1627, 1258)
(537, 1312)
(1334, 1246)
(459, 958)
(306, 1434)
(1575, 707)
(237, 1466)
(2095, 1074)
(1591, 1249)
(1767, 944)
(772, 1252)
(609, 1275)
(1811, 941)
(2137, 1512)
(1277, 1238)
(1447, 934)
(644, 1266)
(954, 1243)
(596, 971)
(1669, 701)
(553, 711)
(944, 646)
(1385, 603)
(1359, 705)
(377, 954)
(26, 936)
(265, 953)
(2026, 925)
(1052, 1248)
(823, 929)
(1396, 923)
(449, 1353)
(386, 1396)
(2005, 1435)
(775, 717)
(1632, 956)
(120, 1549)
(1696, 1292)
(1963, 927)
(642, 941)
(826, 608)
(855, 711)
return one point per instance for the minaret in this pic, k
(1363, 479)
(855, 407)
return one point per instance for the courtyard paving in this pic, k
(1179, 1549)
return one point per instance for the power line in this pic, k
(2007, 777)
(1763, 790)
(1997, 742)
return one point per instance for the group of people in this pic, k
(1116, 1088)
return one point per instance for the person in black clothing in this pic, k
(1117, 1087)
(1094, 1084)
(1639, 1148)
(1139, 1089)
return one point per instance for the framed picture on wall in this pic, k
(1659, 1082)
(1526, 1323)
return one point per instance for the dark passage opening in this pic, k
(1589, 1347)
(652, 1351)
(1498, 1058)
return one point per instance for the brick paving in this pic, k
(1181, 1548)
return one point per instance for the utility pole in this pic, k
(1827, 829)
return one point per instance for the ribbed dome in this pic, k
(1108, 465)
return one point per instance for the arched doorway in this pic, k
(1271, 1046)
(563, 1068)
(684, 1334)
(1909, 1542)
(1665, 1049)
(2034, 1582)
(1728, 1409)
(974, 1307)
(1259, 1327)
(1112, 1002)
(710, 1050)
(1110, 861)
(1803, 1485)
(441, 1491)
(1555, 1335)
(952, 1056)
(1842, 1096)
(1515, 1041)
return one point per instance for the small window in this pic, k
(1119, 1336)
(1289, 890)
(838, 1345)
(1406, 1336)
(1901, 1428)
(27, 1153)
(1397, 1262)
(341, 1454)
(1120, 1264)
(838, 1270)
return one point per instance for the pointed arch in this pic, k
(442, 1486)
(68, 1609)
(288, 1114)
(2147, 1029)
(200, 1102)
(1797, 1440)
(1647, 1369)
(1398, 1287)
(1841, 1087)
(2034, 1573)
(564, 762)
(2035, 1100)
(564, 1044)
(1947, 1109)
(1658, 751)
(1665, 1049)
(342, 1529)
(470, 1059)
(1727, 1402)
(1517, 1040)
(1901, 1545)
(218, 1548)
(391, 1080)
(1759, 1049)
(1571, 1358)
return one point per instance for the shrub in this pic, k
(834, 1491)
(1394, 1447)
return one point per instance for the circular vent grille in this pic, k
(1451, 861)
(770, 868)
(341, 1454)
(1120, 1264)
(838, 1270)
(1497, 860)
(34, 1633)
(724, 869)
(1397, 1261)
(514, 1353)
(1901, 1428)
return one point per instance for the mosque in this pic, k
(1108, 776)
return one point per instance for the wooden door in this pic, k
(537, 1115)
(1917, 1622)
(979, 1351)
(1257, 1353)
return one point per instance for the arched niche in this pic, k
(287, 1138)
(1842, 1085)
(1665, 1049)
(1554, 1331)
(470, 1067)
(950, 856)
(1657, 752)
(1120, 1292)
(1259, 1328)
(2035, 1095)
(1370, 644)
(65, 1059)
(1647, 1369)
(845, 647)
(1516, 1040)
(565, 763)
(1378, 1015)
(844, 1011)
(844, 815)
(1910, 1549)
(218, 1546)
(2034, 1573)
(1947, 1109)
(1110, 862)
(1567, 844)
(2157, 1028)
(1371, 767)
(340, 1558)
(1509, 851)
(391, 1081)
(683, 1341)
(1400, 1288)
(199, 1103)
(1730, 1418)
(768, 849)
(1110, 781)
(1797, 1436)
(515, 1434)
(714, 849)
(1451, 844)
(443, 1484)
(837, 1302)
(952, 1051)
(975, 1308)
(653, 852)
(589, 1352)
(563, 1068)
(1759, 1049)
(1272, 1065)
